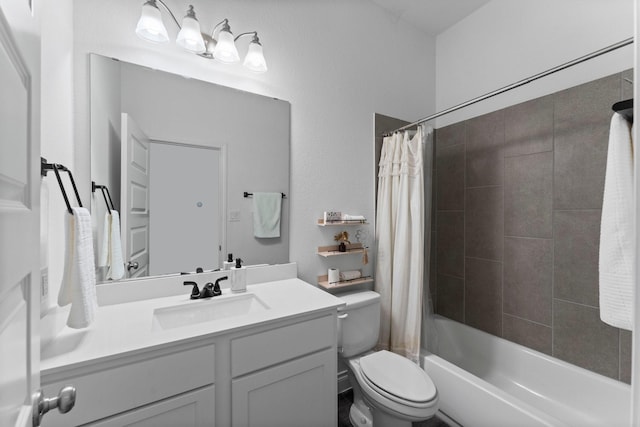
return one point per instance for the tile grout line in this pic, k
(553, 215)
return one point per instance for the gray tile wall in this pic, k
(518, 197)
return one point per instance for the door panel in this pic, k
(135, 197)
(19, 216)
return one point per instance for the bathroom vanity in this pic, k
(266, 357)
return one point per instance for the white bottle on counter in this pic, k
(238, 277)
(226, 265)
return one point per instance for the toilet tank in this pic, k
(358, 331)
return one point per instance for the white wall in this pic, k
(325, 58)
(506, 41)
(56, 132)
(105, 136)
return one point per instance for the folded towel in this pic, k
(266, 214)
(347, 217)
(616, 229)
(79, 279)
(350, 275)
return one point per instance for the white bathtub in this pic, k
(484, 380)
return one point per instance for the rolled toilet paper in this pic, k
(350, 275)
(334, 276)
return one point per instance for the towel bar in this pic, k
(46, 167)
(104, 189)
(625, 108)
(247, 194)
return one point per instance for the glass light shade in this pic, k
(150, 26)
(254, 60)
(226, 50)
(189, 37)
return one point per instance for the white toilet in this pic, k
(388, 389)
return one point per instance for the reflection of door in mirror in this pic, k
(185, 184)
(135, 197)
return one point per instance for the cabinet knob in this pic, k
(64, 401)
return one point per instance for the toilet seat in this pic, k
(398, 379)
(423, 407)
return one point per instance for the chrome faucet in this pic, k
(209, 290)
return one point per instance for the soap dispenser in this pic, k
(238, 277)
(226, 265)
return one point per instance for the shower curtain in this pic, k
(400, 236)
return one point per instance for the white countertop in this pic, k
(127, 328)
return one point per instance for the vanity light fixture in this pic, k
(220, 45)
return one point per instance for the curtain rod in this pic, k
(519, 83)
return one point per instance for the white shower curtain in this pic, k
(400, 236)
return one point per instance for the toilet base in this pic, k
(384, 419)
(360, 417)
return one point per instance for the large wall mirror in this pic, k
(177, 156)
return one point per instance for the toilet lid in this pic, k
(398, 376)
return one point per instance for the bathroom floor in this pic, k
(344, 402)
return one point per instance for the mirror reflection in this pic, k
(177, 156)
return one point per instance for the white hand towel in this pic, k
(103, 256)
(116, 261)
(79, 279)
(266, 214)
(111, 249)
(616, 229)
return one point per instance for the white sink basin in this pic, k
(207, 310)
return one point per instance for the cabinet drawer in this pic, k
(260, 350)
(194, 409)
(110, 391)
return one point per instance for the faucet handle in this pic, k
(216, 287)
(195, 292)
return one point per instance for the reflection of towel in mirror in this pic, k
(111, 250)
(266, 214)
(79, 279)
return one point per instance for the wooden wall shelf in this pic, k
(323, 281)
(327, 251)
(321, 223)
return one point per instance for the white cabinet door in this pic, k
(297, 393)
(193, 409)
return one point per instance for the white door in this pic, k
(19, 225)
(134, 198)
(185, 199)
